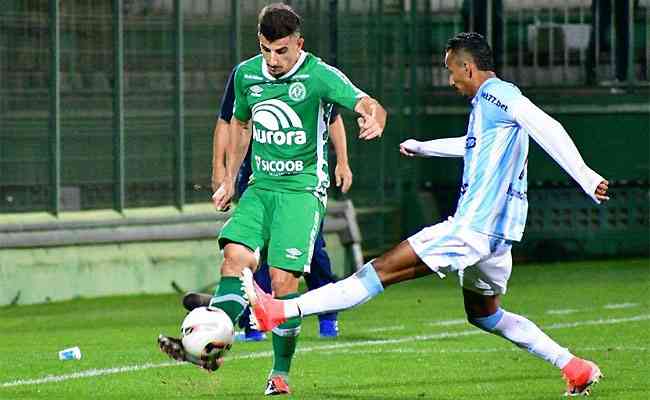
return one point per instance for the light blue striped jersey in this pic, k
(493, 193)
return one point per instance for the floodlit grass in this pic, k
(410, 343)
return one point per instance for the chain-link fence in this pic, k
(111, 104)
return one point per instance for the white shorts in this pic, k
(483, 262)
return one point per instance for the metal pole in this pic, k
(582, 50)
(504, 41)
(378, 27)
(379, 65)
(334, 32)
(488, 23)
(414, 101)
(235, 35)
(520, 45)
(596, 16)
(413, 56)
(551, 45)
(536, 46)
(179, 108)
(612, 38)
(630, 43)
(565, 64)
(317, 22)
(118, 107)
(472, 15)
(55, 107)
(647, 43)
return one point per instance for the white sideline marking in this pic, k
(597, 322)
(562, 312)
(621, 305)
(488, 350)
(416, 338)
(385, 329)
(449, 322)
(88, 373)
(615, 306)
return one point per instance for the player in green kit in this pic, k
(283, 98)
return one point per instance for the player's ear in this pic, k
(301, 42)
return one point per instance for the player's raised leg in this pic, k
(319, 276)
(397, 265)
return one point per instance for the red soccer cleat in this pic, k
(267, 311)
(580, 375)
(277, 385)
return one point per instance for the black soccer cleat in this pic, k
(173, 347)
(193, 300)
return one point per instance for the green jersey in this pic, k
(290, 121)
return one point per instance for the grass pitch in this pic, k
(412, 342)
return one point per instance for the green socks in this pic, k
(229, 297)
(285, 338)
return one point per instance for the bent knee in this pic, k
(283, 282)
(488, 323)
(235, 258)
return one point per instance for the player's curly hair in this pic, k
(278, 20)
(476, 46)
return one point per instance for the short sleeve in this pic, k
(241, 110)
(337, 88)
(228, 98)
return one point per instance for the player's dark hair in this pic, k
(278, 20)
(476, 46)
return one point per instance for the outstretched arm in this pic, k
(342, 171)
(447, 147)
(373, 118)
(552, 137)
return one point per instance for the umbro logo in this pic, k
(293, 253)
(256, 90)
(253, 77)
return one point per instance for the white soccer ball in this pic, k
(207, 332)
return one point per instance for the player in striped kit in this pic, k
(491, 214)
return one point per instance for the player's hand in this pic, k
(215, 184)
(369, 127)
(221, 198)
(343, 175)
(601, 190)
(410, 148)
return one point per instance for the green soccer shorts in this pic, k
(284, 224)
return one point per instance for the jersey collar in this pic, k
(483, 85)
(301, 60)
